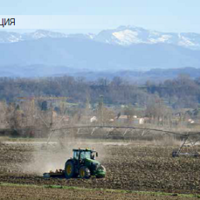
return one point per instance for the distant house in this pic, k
(93, 119)
(138, 121)
(123, 119)
(133, 120)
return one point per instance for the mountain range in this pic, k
(127, 48)
(123, 35)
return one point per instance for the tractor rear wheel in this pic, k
(69, 170)
(84, 172)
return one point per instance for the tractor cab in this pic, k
(81, 154)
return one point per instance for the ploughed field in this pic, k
(133, 166)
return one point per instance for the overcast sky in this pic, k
(95, 15)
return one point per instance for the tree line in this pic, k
(181, 92)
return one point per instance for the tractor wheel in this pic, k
(69, 170)
(84, 172)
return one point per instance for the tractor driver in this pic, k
(92, 155)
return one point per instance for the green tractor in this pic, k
(84, 165)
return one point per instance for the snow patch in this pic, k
(127, 37)
(186, 42)
(163, 38)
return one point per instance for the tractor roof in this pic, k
(84, 150)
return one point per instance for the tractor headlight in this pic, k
(101, 168)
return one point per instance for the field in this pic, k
(131, 166)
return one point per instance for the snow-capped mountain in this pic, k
(42, 34)
(128, 35)
(6, 37)
(123, 35)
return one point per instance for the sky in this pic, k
(95, 15)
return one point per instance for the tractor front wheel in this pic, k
(69, 170)
(84, 172)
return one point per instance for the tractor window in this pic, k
(85, 154)
(76, 155)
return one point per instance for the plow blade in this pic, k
(57, 174)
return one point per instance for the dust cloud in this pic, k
(50, 156)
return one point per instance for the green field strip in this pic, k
(150, 193)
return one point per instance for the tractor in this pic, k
(83, 165)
